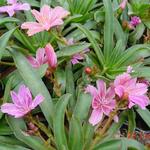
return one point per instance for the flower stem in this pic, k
(104, 129)
(41, 126)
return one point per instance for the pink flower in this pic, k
(44, 55)
(102, 103)
(47, 18)
(123, 4)
(39, 60)
(51, 56)
(79, 56)
(135, 21)
(22, 102)
(13, 7)
(127, 87)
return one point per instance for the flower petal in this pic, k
(122, 79)
(33, 62)
(139, 89)
(119, 90)
(15, 97)
(141, 101)
(110, 93)
(101, 85)
(95, 117)
(24, 6)
(33, 27)
(40, 56)
(12, 110)
(37, 100)
(51, 56)
(92, 90)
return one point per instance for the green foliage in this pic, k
(63, 116)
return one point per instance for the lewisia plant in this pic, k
(74, 74)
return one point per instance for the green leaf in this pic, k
(75, 135)
(4, 40)
(4, 146)
(130, 143)
(58, 122)
(82, 106)
(109, 145)
(122, 144)
(5, 129)
(72, 49)
(34, 82)
(70, 87)
(128, 54)
(108, 29)
(131, 121)
(8, 19)
(11, 140)
(24, 39)
(145, 114)
(93, 42)
(137, 33)
(120, 34)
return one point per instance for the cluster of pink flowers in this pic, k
(14, 6)
(44, 55)
(125, 87)
(22, 102)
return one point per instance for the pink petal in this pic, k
(12, 110)
(38, 99)
(25, 97)
(119, 90)
(139, 89)
(122, 79)
(33, 62)
(56, 22)
(33, 27)
(60, 12)
(15, 98)
(74, 61)
(95, 117)
(142, 101)
(110, 93)
(107, 108)
(51, 56)
(92, 90)
(24, 6)
(24, 91)
(7, 9)
(101, 85)
(57, 14)
(130, 84)
(40, 56)
(37, 16)
(46, 11)
(130, 104)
